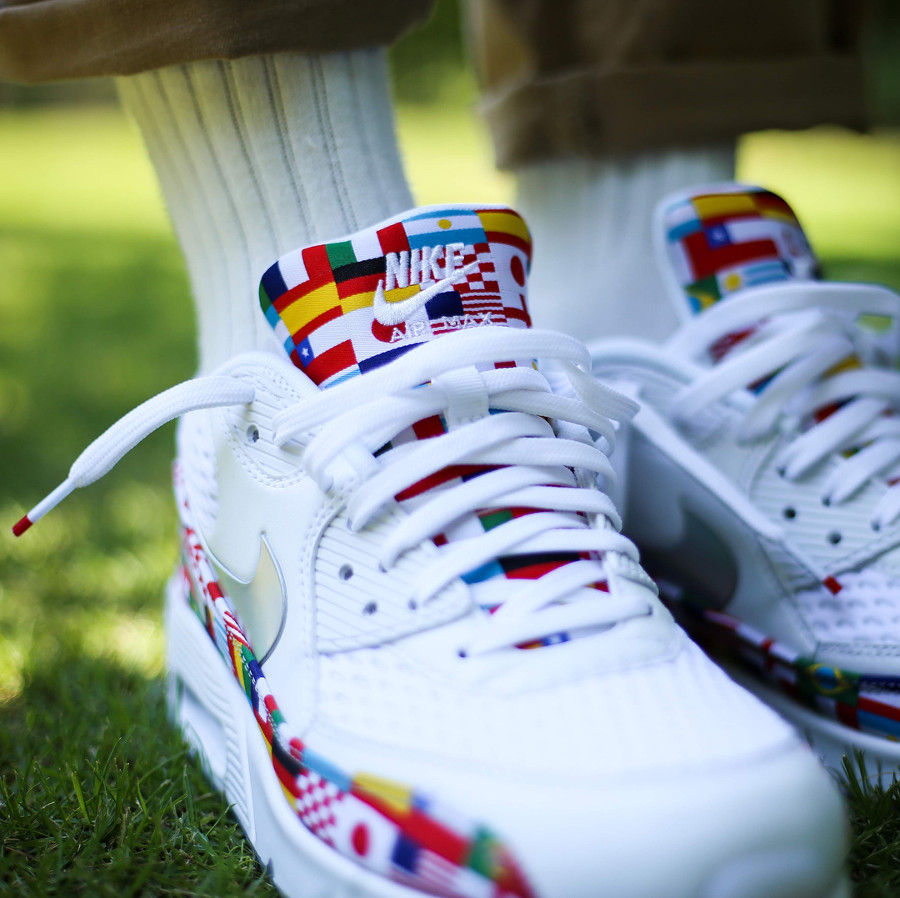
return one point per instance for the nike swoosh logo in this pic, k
(260, 603)
(394, 313)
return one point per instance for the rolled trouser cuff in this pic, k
(51, 40)
(592, 112)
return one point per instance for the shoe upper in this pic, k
(395, 536)
(770, 436)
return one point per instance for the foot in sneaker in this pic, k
(763, 467)
(374, 538)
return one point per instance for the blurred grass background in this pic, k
(95, 316)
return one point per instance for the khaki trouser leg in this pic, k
(48, 40)
(560, 77)
(601, 77)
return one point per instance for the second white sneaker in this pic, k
(763, 468)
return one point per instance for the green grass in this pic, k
(95, 316)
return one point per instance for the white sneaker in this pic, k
(762, 469)
(364, 565)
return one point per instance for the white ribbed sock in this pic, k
(259, 156)
(594, 273)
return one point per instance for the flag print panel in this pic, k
(860, 701)
(718, 243)
(389, 828)
(343, 308)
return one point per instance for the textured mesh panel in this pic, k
(676, 714)
(251, 426)
(357, 603)
(865, 612)
(825, 532)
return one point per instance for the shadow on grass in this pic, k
(109, 803)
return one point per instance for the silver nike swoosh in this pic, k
(393, 313)
(260, 603)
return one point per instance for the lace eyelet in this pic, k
(413, 605)
(345, 572)
(462, 653)
(252, 434)
(834, 537)
(370, 608)
(789, 513)
(875, 526)
(826, 501)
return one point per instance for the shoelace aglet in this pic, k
(46, 504)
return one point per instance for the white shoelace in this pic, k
(802, 336)
(551, 470)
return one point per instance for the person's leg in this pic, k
(50, 40)
(269, 124)
(592, 218)
(260, 155)
(603, 107)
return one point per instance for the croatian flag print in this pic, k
(731, 239)
(349, 306)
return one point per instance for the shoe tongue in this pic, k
(348, 306)
(719, 241)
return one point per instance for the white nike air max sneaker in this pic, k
(407, 638)
(762, 471)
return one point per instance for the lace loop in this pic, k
(799, 358)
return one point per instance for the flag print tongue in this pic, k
(722, 240)
(349, 306)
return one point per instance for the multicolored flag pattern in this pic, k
(723, 241)
(343, 308)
